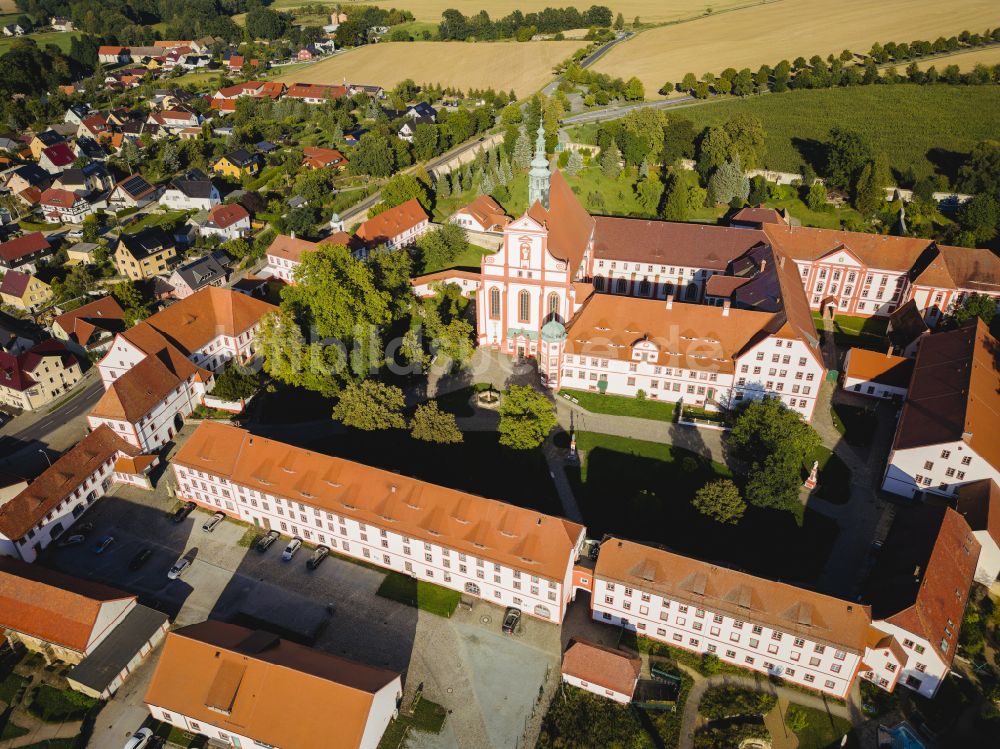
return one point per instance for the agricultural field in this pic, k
(928, 128)
(524, 67)
(768, 33)
(649, 11)
(61, 39)
(966, 61)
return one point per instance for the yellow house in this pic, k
(43, 140)
(39, 375)
(24, 291)
(144, 254)
(237, 163)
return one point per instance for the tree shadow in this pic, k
(946, 162)
(814, 152)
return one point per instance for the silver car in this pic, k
(178, 569)
(139, 739)
(293, 546)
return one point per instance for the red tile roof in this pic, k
(315, 91)
(874, 366)
(104, 314)
(317, 158)
(17, 372)
(15, 249)
(487, 212)
(60, 154)
(15, 283)
(51, 606)
(58, 198)
(759, 215)
(62, 478)
(601, 666)
(225, 216)
(392, 222)
(290, 248)
(570, 226)
(979, 504)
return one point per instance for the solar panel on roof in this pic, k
(134, 184)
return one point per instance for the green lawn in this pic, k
(926, 128)
(643, 491)
(823, 730)
(416, 29)
(834, 475)
(856, 424)
(10, 686)
(428, 717)
(471, 259)
(154, 219)
(420, 594)
(62, 39)
(857, 332)
(619, 405)
(57, 705)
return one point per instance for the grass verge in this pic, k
(821, 729)
(618, 405)
(422, 595)
(56, 705)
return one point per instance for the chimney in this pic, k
(916, 572)
(725, 308)
(967, 437)
(670, 301)
(888, 353)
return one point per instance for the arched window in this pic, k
(472, 588)
(668, 289)
(599, 283)
(543, 611)
(644, 287)
(523, 306)
(553, 304)
(621, 286)
(495, 303)
(692, 291)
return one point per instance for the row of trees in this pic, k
(455, 25)
(845, 70)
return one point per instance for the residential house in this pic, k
(95, 126)
(57, 158)
(409, 128)
(420, 111)
(906, 328)
(18, 335)
(112, 55)
(40, 141)
(256, 89)
(61, 23)
(396, 227)
(428, 284)
(25, 253)
(284, 255)
(603, 671)
(320, 158)
(876, 374)
(173, 120)
(260, 690)
(374, 92)
(307, 53)
(92, 327)
(502, 553)
(948, 432)
(89, 148)
(144, 254)
(27, 182)
(237, 163)
(979, 503)
(230, 221)
(87, 180)
(82, 252)
(196, 275)
(38, 376)
(157, 372)
(315, 93)
(191, 191)
(64, 206)
(104, 632)
(76, 113)
(134, 191)
(15, 29)
(24, 291)
(483, 214)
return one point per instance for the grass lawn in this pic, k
(178, 737)
(62, 39)
(416, 29)
(857, 332)
(10, 686)
(834, 476)
(928, 128)
(56, 705)
(822, 730)
(468, 260)
(619, 405)
(856, 424)
(154, 219)
(488, 469)
(422, 595)
(643, 491)
(428, 717)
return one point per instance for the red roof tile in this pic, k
(15, 249)
(391, 223)
(601, 666)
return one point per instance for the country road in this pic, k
(81, 403)
(613, 113)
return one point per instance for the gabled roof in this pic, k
(144, 386)
(241, 158)
(906, 325)
(135, 186)
(290, 248)
(954, 393)
(28, 508)
(272, 691)
(59, 198)
(874, 366)
(15, 283)
(27, 244)
(321, 157)
(201, 272)
(146, 242)
(194, 184)
(569, 225)
(49, 137)
(606, 667)
(315, 91)
(785, 607)
(59, 155)
(224, 216)
(759, 215)
(81, 323)
(486, 211)
(392, 222)
(499, 532)
(979, 504)
(51, 606)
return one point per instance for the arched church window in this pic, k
(553, 303)
(644, 287)
(495, 303)
(523, 306)
(621, 286)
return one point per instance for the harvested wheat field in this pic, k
(649, 11)
(769, 33)
(966, 61)
(524, 67)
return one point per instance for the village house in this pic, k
(606, 672)
(86, 180)
(38, 376)
(394, 228)
(103, 632)
(428, 284)
(173, 120)
(509, 555)
(483, 214)
(76, 113)
(24, 291)
(260, 690)
(876, 374)
(144, 254)
(238, 163)
(284, 255)
(91, 327)
(112, 55)
(319, 158)
(230, 221)
(196, 275)
(40, 141)
(948, 432)
(315, 93)
(94, 126)
(15, 29)
(64, 206)
(57, 158)
(273, 90)
(157, 372)
(27, 176)
(191, 191)
(61, 23)
(409, 128)
(133, 191)
(25, 253)
(82, 252)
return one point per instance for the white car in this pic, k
(139, 739)
(178, 569)
(293, 546)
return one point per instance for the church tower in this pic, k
(539, 176)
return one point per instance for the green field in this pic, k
(928, 128)
(59, 38)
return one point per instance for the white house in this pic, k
(284, 255)
(259, 690)
(508, 555)
(948, 433)
(227, 222)
(427, 285)
(394, 228)
(876, 374)
(483, 214)
(603, 671)
(192, 192)
(979, 504)
(157, 372)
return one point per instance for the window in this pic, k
(495, 303)
(523, 306)
(945, 454)
(928, 465)
(553, 303)
(966, 460)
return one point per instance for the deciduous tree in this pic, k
(371, 405)
(526, 418)
(721, 501)
(431, 424)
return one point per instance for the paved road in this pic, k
(613, 113)
(40, 428)
(590, 59)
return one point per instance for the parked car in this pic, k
(213, 521)
(265, 541)
(178, 569)
(140, 739)
(321, 553)
(140, 558)
(75, 234)
(293, 546)
(510, 620)
(182, 512)
(75, 540)
(83, 528)
(103, 544)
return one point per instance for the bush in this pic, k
(796, 718)
(234, 384)
(730, 702)
(730, 735)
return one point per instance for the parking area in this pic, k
(487, 681)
